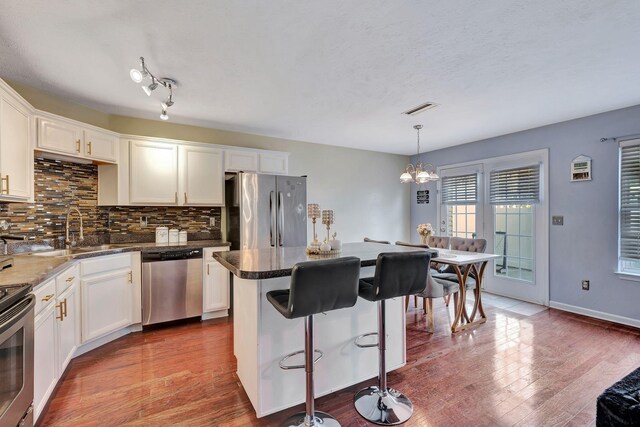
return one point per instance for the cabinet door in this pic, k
(45, 352)
(153, 173)
(202, 176)
(106, 303)
(16, 154)
(100, 146)
(216, 287)
(274, 163)
(59, 136)
(240, 161)
(68, 326)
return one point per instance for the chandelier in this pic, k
(420, 173)
(139, 75)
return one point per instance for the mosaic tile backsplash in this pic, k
(61, 184)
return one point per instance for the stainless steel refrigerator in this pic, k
(266, 211)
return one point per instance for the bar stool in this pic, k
(316, 287)
(397, 275)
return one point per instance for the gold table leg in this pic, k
(457, 325)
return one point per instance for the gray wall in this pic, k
(586, 246)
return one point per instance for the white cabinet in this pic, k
(153, 173)
(240, 161)
(109, 295)
(71, 138)
(68, 325)
(201, 175)
(274, 163)
(16, 152)
(45, 372)
(216, 286)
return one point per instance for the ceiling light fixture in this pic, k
(139, 76)
(418, 173)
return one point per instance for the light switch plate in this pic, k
(557, 220)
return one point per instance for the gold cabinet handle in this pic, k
(61, 317)
(176, 197)
(48, 297)
(185, 198)
(78, 145)
(71, 279)
(207, 269)
(89, 148)
(4, 189)
(130, 276)
(64, 304)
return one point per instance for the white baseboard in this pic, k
(105, 339)
(597, 314)
(215, 314)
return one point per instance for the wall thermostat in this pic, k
(581, 169)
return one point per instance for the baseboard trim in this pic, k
(597, 314)
(98, 342)
(215, 314)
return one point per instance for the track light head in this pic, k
(138, 75)
(164, 115)
(150, 88)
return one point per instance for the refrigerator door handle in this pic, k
(272, 221)
(281, 215)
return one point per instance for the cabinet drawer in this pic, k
(66, 279)
(105, 263)
(208, 252)
(45, 295)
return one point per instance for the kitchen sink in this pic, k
(56, 252)
(74, 251)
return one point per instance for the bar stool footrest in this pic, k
(295, 353)
(360, 337)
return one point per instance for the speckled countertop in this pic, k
(32, 270)
(259, 264)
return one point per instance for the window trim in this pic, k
(621, 271)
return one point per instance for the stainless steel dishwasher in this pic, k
(171, 285)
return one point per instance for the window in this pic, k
(629, 203)
(460, 195)
(513, 194)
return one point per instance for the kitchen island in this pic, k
(262, 336)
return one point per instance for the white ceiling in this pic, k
(335, 72)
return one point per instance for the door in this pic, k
(59, 136)
(258, 204)
(45, 357)
(68, 326)
(291, 212)
(216, 287)
(518, 231)
(153, 173)
(100, 146)
(15, 148)
(106, 303)
(202, 176)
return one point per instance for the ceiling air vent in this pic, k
(420, 108)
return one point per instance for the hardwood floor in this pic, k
(517, 369)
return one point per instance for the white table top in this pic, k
(448, 256)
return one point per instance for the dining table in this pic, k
(464, 264)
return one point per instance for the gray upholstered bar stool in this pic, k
(398, 274)
(316, 287)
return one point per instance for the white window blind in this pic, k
(517, 185)
(630, 202)
(460, 190)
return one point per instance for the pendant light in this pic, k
(420, 173)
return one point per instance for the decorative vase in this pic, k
(423, 240)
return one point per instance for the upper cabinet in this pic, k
(73, 139)
(153, 173)
(274, 163)
(16, 152)
(201, 175)
(240, 161)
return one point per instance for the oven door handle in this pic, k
(17, 312)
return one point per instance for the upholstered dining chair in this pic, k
(435, 289)
(449, 274)
(366, 239)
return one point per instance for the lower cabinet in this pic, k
(68, 325)
(108, 295)
(216, 287)
(45, 355)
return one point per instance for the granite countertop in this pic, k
(256, 264)
(31, 270)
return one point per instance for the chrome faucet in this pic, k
(68, 243)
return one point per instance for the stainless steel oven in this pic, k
(16, 356)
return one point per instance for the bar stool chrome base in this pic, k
(321, 419)
(386, 408)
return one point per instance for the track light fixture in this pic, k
(139, 76)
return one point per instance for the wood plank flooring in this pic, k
(517, 369)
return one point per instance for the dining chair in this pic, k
(439, 242)
(435, 289)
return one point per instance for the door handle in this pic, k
(272, 217)
(281, 215)
(65, 307)
(130, 276)
(89, 148)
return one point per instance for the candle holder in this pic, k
(327, 219)
(313, 212)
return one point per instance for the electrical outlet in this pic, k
(144, 221)
(212, 221)
(585, 285)
(557, 220)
